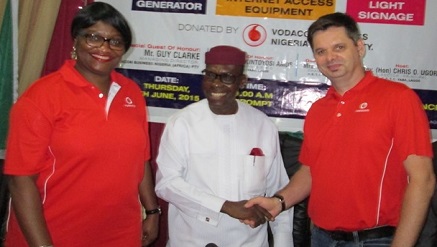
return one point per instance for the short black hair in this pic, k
(335, 20)
(99, 11)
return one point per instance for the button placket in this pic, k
(97, 95)
(340, 107)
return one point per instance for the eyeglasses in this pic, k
(226, 78)
(95, 41)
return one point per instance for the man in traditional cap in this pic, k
(216, 154)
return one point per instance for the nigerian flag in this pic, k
(6, 71)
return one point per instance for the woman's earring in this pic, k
(73, 53)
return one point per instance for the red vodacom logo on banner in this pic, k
(254, 35)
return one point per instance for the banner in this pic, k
(171, 38)
(6, 72)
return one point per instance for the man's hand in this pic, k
(150, 229)
(271, 205)
(255, 215)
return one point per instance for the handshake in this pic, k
(256, 211)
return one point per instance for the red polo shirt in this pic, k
(355, 145)
(89, 162)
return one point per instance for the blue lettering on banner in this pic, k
(167, 89)
(192, 7)
(290, 99)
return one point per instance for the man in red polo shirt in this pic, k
(366, 151)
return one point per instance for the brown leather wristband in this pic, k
(281, 200)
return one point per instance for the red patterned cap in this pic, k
(227, 55)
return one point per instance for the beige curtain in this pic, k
(36, 21)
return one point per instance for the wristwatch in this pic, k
(281, 200)
(154, 211)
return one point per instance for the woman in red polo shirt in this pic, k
(78, 149)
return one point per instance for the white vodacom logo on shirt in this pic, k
(363, 107)
(129, 102)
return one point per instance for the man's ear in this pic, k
(243, 81)
(361, 48)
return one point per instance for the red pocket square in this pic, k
(256, 152)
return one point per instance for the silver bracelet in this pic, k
(46, 245)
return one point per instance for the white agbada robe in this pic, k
(204, 160)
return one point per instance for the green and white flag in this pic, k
(6, 72)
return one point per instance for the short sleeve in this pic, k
(27, 148)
